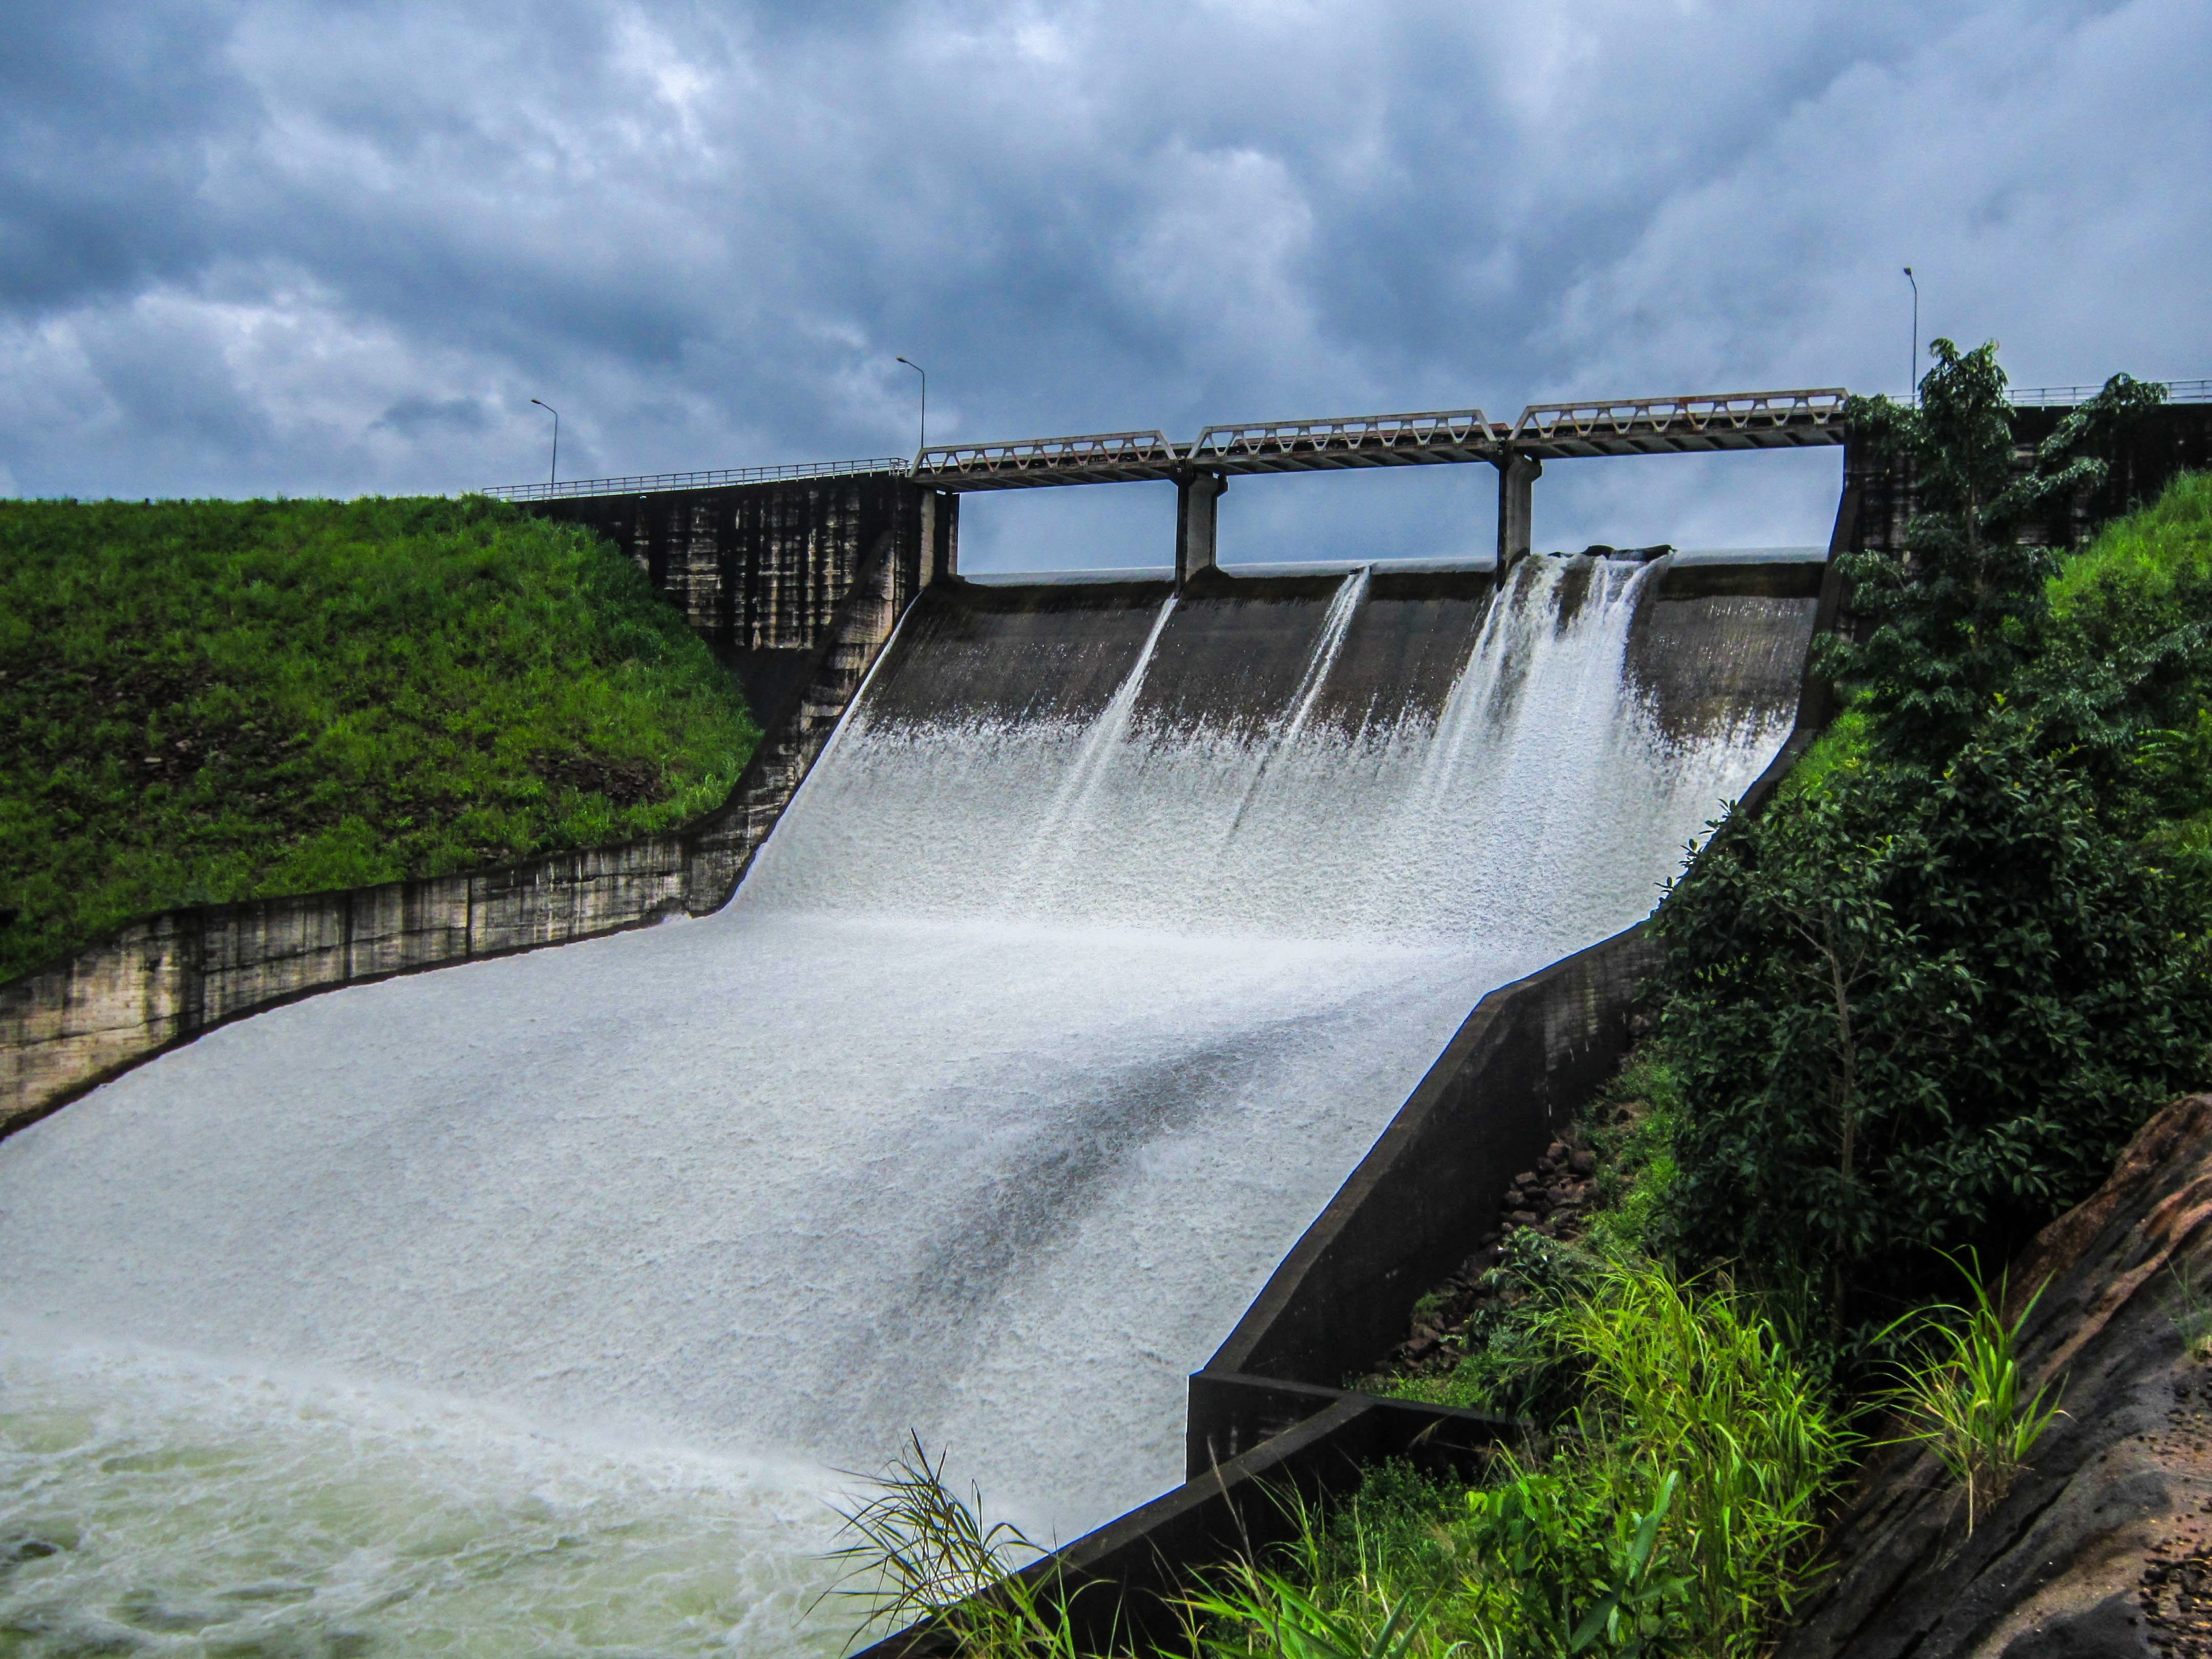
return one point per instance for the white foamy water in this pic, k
(524, 1306)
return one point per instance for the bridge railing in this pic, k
(2066, 397)
(651, 482)
(1086, 458)
(1723, 420)
(1591, 426)
(1447, 434)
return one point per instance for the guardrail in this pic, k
(654, 482)
(1095, 456)
(2065, 397)
(1449, 434)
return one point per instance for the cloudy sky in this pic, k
(274, 246)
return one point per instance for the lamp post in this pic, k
(1912, 378)
(553, 473)
(924, 372)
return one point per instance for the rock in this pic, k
(1583, 1163)
(2111, 1628)
(1523, 1218)
(2091, 1551)
(1556, 1151)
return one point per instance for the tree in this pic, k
(1955, 612)
(1922, 1002)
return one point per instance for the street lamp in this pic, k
(1912, 378)
(552, 472)
(924, 372)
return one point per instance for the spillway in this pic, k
(532, 1304)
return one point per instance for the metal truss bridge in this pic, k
(1605, 426)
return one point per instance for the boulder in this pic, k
(2104, 1544)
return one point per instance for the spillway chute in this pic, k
(1102, 942)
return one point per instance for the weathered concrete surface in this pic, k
(163, 981)
(2169, 441)
(2104, 1546)
(760, 570)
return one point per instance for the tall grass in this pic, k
(1675, 1512)
(1693, 1385)
(1674, 1515)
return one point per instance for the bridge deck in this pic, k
(1616, 425)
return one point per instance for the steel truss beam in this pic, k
(1657, 426)
(1450, 435)
(1093, 457)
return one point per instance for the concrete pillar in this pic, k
(1516, 478)
(926, 558)
(940, 537)
(1197, 511)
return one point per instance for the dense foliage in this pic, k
(206, 701)
(1910, 1012)
(1949, 618)
(1926, 996)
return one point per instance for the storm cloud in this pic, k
(267, 246)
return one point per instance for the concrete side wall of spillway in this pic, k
(164, 979)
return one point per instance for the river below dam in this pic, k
(535, 1305)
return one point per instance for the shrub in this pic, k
(1912, 1013)
(1952, 613)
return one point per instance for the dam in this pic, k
(536, 1303)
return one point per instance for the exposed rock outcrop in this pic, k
(2105, 1546)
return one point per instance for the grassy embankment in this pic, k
(1770, 1266)
(209, 701)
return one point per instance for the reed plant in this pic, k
(922, 1555)
(1965, 1395)
(1675, 1512)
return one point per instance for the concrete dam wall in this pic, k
(1108, 932)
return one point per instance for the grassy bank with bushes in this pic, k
(209, 701)
(1908, 1015)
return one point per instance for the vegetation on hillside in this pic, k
(207, 701)
(1921, 1000)
(1909, 1013)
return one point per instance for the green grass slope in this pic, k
(209, 700)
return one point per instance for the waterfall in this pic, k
(530, 1303)
(1099, 744)
(1333, 628)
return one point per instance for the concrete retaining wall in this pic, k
(162, 981)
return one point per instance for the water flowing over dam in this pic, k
(529, 1304)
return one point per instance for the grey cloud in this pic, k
(255, 247)
(421, 417)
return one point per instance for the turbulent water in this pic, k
(528, 1306)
